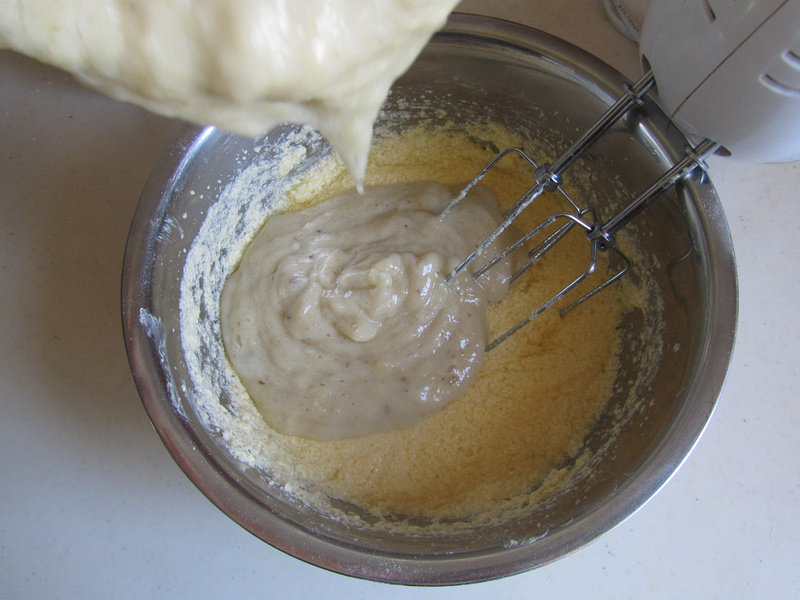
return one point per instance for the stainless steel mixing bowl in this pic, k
(530, 82)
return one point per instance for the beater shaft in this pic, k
(694, 157)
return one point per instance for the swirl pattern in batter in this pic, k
(340, 321)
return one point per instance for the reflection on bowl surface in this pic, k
(208, 198)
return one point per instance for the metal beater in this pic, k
(753, 50)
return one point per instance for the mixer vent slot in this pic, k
(778, 87)
(792, 58)
(708, 10)
(789, 83)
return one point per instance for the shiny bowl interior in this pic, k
(525, 80)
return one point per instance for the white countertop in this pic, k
(93, 506)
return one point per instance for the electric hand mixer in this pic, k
(727, 72)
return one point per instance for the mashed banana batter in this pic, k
(339, 319)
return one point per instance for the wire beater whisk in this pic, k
(600, 235)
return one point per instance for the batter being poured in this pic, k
(339, 319)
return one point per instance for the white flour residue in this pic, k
(154, 329)
(170, 227)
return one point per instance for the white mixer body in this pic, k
(729, 70)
